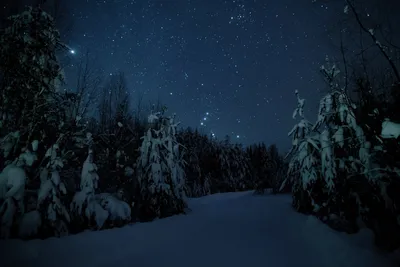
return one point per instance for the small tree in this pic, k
(13, 179)
(84, 203)
(49, 203)
(304, 166)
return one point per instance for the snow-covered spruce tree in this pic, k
(345, 152)
(84, 203)
(334, 161)
(51, 214)
(304, 165)
(362, 182)
(161, 176)
(13, 179)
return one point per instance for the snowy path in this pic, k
(234, 229)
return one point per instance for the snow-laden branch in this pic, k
(390, 129)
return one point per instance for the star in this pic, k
(211, 62)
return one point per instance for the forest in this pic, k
(87, 158)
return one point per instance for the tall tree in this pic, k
(31, 75)
(160, 170)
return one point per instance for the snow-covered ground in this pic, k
(233, 229)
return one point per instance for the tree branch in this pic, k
(377, 43)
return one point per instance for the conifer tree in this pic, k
(161, 173)
(54, 213)
(13, 180)
(304, 166)
(84, 203)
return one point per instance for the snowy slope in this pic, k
(233, 229)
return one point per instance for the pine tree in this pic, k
(160, 166)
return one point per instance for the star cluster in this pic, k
(227, 67)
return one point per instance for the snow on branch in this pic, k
(390, 129)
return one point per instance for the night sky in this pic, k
(227, 67)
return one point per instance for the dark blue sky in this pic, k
(239, 61)
(228, 67)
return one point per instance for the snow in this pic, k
(12, 178)
(35, 145)
(390, 129)
(371, 31)
(129, 171)
(116, 208)
(85, 200)
(346, 9)
(232, 229)
(89, 177)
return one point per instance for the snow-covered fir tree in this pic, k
(161, 175)
(304, 166)
(84, 203)
(345, 151)
(333, 158)
(54, 214)
(13, 180)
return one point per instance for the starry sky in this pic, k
(227, 67)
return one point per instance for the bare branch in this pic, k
(374, 39)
